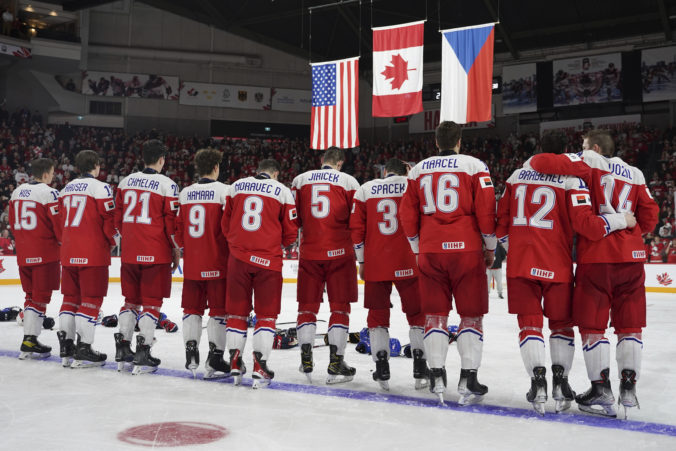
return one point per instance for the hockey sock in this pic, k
(84, 325)
(67, 324)
(470, 341)
(380, 341)
(629, 352)
(32, 320)
(436, 340)
(338, 328)
(192, 328)
(596, 350)
(148, 323)
(416, 335)
(532, 347)
(127, 321)
(562, 346)
(236, 332)
(306, 328)
(216, 331)
(263, 337)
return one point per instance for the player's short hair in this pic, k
(41, 166)
(602, 139)
(448, 134)
(269, 165)
(206, 160)
(333, 155)
(153, 150)
(86, 161)
(554, 142)
(395, 166)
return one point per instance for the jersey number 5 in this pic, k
(321, 204)
(26, 218)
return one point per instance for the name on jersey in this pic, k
(210, 274)
(542, 273)
(201, 195)
(259, 261)
(25, 193)
(76, 187)
(33, 260)
(620, 170)
(638, 254)
(145, 258)
(403, 273)
(388, 188)
(336, 253)
(536, 176)
(440, 163)
(452, 245)
(143, 183)
(266, 188)
(79, 261)
(324, 177)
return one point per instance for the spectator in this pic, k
(6, 243)
(7, 20)
(665, 229)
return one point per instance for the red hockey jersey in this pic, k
(379, 240)
(34, 220)
(259, 218)
(87, 215)
(615, 187)
(539, 213)
(449, 205)
(147, 203)
(324, 201)
(198, 230)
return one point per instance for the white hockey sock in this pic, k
(67, 324)
(628, 353)
(338, 337)
(417, 335)
(470, 341)
(192, 328)
(596, 350)
(532, 352)
(147, 325)
(32, 322)
(436, 340)
(562, 350)
(216, 331)
(306, 333)
(263, 339)
(380, 341)
(236, 339)
(84, 325)
(126, 322)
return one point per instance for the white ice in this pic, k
(45, 406)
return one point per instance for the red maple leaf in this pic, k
(398, 71)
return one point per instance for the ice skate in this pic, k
(237, 367)
(537, 395)
(144, 362)
(123, 352)
(306, 362)
(469, 388)
(86, 357)
(438, 382)
(31, 348)
(338, 370)
(382, 372)
(561, 392)
(192, 357)
(261, 375)
(215, 367)
(420, 370)
(599, 399)
(66, 349)
(627, 399)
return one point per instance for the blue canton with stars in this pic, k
(324, 85)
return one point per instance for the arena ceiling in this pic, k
(342, 28)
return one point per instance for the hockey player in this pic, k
(448, 207)
(34, 220)
(539, 215)
(87, 216)
(205, 260)
(609, 280)
(324, 201)
(259, 218)
(385, 258)
(147, 202)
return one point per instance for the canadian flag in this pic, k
(398, 69)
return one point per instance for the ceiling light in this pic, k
(53, 13)
(29, 8)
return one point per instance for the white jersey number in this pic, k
(320, 204)
(131, 198)
(623, 203)
(26, 218)
(76, 203)
(251, 219)
(196, 216)
(388, 208)
(542, 195)
(446, 195)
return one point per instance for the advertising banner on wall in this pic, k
(225, 96)
(576, 125)
(588, 79)
(147, 86)
(428, 120)
(298, 100)
(519, 89)
(658, 74)
(14, 50)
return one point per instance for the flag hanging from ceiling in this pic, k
(467, 74)
(335, 104)
(398, 69)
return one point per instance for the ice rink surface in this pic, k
(44, 406)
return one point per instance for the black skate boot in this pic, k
(561, 391)
(144, 362)
(537, 395)
(86, 357)
(382, 372)
(627, 397)
(420, 370)
(438, 382)
(237, 367)
(601, 395)
(261, 375)
(31, 348)
(192, 357)
(471, 391)
(338, 370)
(66, 349)
(306, 362)
(123, 352)
(215, 367)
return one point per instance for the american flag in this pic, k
(335, 104)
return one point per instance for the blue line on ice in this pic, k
(486, 409)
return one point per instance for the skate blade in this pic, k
(441, 398)
(539, 407)
(308, 374)
(605, 411)
(385, 385)
(66, 362)
(421, 384)
(467, 399)
(562, 404)
(33, 355)
(625, 407)
(124, 366)
(81, 364)
(140, 369)
(260, 383)
(333, 379)
(213, 375)
(237, 379)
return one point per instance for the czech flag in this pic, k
(467, 74)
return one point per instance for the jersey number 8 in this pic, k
(251, 219)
